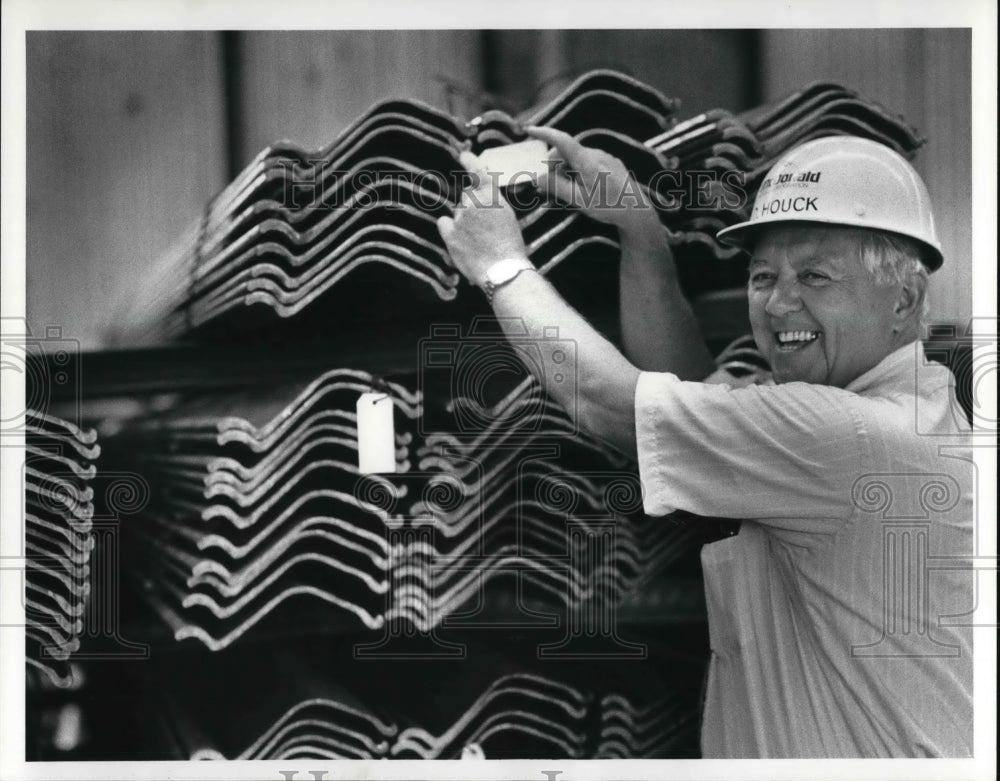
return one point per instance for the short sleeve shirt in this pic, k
(837, 620)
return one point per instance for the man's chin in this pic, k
(783, 371)
(783, 377)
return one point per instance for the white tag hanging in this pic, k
(473, 751)
(376, 434)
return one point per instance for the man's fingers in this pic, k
(474, 166)
(569, 147)
(564, 189)
(446, 226)
(481, 195)
(470, 162)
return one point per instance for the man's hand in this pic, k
(484, 229)
(595, 182)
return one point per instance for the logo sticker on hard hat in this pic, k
(803, 179)
(806, 177)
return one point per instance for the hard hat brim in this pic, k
(740, 235)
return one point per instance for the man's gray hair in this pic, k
(893, 259)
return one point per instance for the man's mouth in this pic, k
(789, 341)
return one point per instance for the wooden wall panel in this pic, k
(521, 63)
(308, 86)
(925, 75)
(124, 147)
(946, 163)
(704, 68)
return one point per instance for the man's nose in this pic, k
(784, 298)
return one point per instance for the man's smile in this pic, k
(790, 341)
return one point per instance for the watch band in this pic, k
(502, 272)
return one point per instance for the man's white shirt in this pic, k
(834, 620)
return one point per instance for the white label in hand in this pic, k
(376, 434)
(516, 164)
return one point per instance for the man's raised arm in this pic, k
(597, 382)
(659, 330)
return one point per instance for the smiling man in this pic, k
(819, 312)
(830, 633)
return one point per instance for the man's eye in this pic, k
(761, 278)
(814, 276)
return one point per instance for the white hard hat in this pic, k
(844, 180)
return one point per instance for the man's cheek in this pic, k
(758, 323)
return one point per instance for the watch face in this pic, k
(498, 273)
(503, 271)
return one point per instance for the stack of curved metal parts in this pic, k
(296, 227)
(257, 500)
(713, 151)
(569, 520)
(297, 707)
(299, 711)
(255, 503)
(543, 716)
(536, 712)
(59, 511)
(720, 144)
(296, 224)
(825, 109)
(654, 730)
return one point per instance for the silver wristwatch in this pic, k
(502, 272)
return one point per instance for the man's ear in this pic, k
(910, 299)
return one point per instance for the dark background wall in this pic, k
(130, 133)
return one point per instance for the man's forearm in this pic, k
(590, 377)
(659, 329)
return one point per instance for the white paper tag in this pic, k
(376, 434)
(516, 164)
